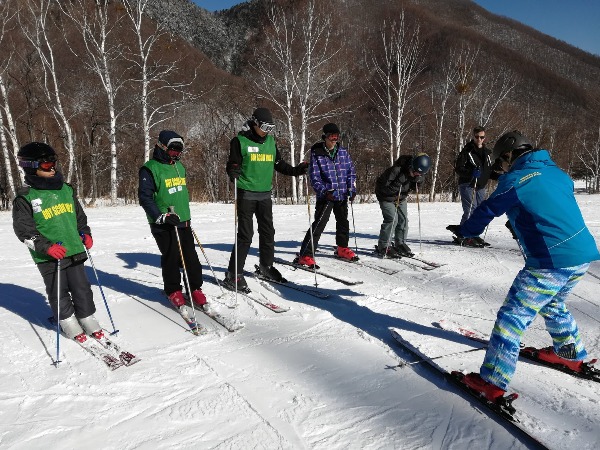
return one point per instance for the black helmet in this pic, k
(30, 155)
(512, 141)
(421, 163)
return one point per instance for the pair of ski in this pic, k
(416, 263)
(589, 372)
(502, 409)
(111, 354)
(185, 311)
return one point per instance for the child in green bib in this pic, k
(48, 218)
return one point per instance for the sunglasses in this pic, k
(479, 137)
(174, 153)
(266, 127)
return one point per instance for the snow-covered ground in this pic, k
(317, 377)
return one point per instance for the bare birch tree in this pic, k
(298, 72)
(35, 25)
(103, 53)
(441, 92)
(7, 123)
(589, 155)
(393, 80)
(154, 74)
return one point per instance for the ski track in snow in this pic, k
(320, 376)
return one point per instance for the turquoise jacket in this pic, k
(539, 202)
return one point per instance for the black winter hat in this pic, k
(331, 128)
(171, 140)
(262, 115)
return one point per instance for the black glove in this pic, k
(476, 173)
(351, 196)
(301, 168)
(168, 219)
(456, 230)
(329, 196)
(511, 229)
(234, 171)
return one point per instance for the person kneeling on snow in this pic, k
(392, 188)
(48, 218)
(538, 199)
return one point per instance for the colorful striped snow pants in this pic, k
(533, 291)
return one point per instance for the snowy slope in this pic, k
(317, 377)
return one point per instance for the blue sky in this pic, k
(574, 21)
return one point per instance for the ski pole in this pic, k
(114, 331)
(57, 361)
(235, 232)
(207, 261)
(473, 198)
(394, 221)
(187, 283)
(353, 226)
(312, 241)
(419, 215)
(412, 363)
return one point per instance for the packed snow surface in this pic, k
(320, 376)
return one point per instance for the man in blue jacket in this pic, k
(538, 199)
(333, 178)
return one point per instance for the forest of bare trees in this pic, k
(98, 79)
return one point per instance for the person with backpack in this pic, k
(392, 188)
(49, 220)
(538, 199)
(333, 178)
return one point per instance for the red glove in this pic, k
(87, 240)
(57, 251)
(330, 197)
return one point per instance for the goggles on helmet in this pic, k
(266, 127)
(46, 164)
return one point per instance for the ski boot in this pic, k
(176, 298)
(270, 273)
(387, 252)
(198, 298)
(489, 391)
(346, 253)
(404, 250)
(306, 260)
(548, 355)
(229, 282)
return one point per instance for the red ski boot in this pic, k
(176, 299)
(490, 391)
(547, 355)
(346, 253)
(306, 260)
(198, 298)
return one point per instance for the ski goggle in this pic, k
(266, 127)
(174, 154)
(45, 164)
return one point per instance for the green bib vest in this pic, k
(171, 188)
(258, 162)
(55, 218)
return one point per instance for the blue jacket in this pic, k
(538, 200)
(335, 173)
